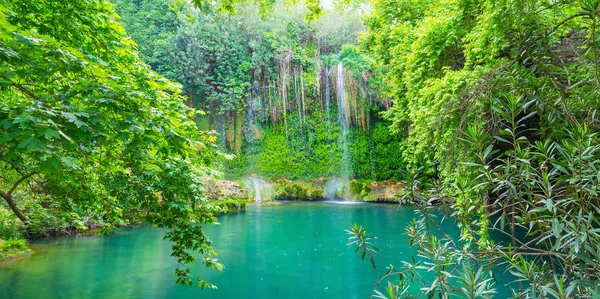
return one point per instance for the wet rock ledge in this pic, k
(255, 188)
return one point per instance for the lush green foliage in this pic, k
(228, 206)
(299, 191)
(533, 209)
(12, 244)
(270, 86)
(498, 99)
(89, 130)
(157, 21)
(314, 6)
(11, 247)
(9, 226)
(494, 109)
(447, 60)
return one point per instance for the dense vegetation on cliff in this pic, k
(287, 98)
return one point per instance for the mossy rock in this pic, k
(295, 191)
(221, 207)
(299, 190)
(225, 190)
(316, 194)
(356, 187)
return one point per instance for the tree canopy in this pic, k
(314, 6)
(448, 60)
(86, 122)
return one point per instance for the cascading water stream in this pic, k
(328, 111)
(261, 189)
(336, 189)
(343, 120)
(327, 105)
(257, 195)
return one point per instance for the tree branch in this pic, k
(19, 181)
(25, 91)
(13, 206)
(564, 21)
(10, 200)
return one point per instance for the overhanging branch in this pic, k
(19, 181)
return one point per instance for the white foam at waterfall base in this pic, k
(259, 188)
(337, 188)
(345, 202)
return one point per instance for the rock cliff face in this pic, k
(226, 196)
(225, 190)
(388, 191)
(299, 190)
(321, 189)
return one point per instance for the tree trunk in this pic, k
(13, 206)
(10, 200)
(190, 99)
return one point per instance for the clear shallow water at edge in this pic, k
(295, 250)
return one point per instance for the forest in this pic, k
(473, 122)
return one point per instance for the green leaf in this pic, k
(31, 143)
(51, 133)
(69, 162)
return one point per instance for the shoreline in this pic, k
(16, 255)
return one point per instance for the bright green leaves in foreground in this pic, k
(449, 59)
(90, 129)
(499, 100)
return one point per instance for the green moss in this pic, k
(300, 190)
(295, 191)
(315, 194)
(356, 187)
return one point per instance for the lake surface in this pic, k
(295, 250)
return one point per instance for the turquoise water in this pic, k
(295, 250)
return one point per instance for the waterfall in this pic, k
(303, 100)
(341, 96)
(337, 188)
(257, 195)
(328, 114)
(343, 120)
(259, 188)
(327, 97)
